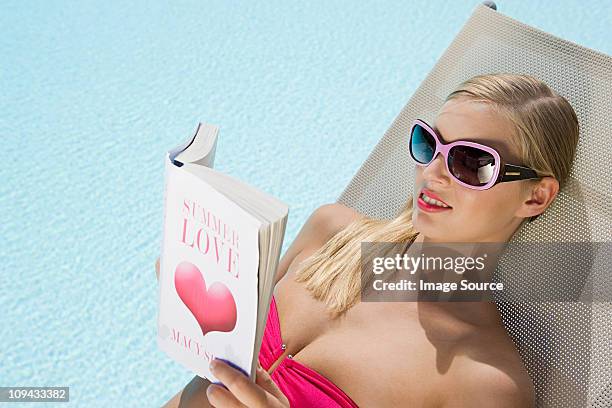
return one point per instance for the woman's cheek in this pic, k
(488, 209)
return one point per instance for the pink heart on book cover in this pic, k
(214, 308)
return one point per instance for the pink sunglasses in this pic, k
(473, 165)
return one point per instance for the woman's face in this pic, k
(474, 215)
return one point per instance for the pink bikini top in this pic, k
(303, 386)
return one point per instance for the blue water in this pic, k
(93, 93)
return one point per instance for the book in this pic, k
(220, 249)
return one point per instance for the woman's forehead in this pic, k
(476, 122)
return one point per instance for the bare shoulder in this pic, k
(326, 221)
(329, 219)
(500, 384)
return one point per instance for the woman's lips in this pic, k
(432, 195)
(428, 207)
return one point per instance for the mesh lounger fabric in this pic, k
(566, 346)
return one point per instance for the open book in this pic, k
(221, 244)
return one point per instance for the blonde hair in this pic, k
(546, 133)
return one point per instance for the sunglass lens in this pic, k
(422, 145)
(471, 165)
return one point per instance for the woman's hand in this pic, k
(241, 392)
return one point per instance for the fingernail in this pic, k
(212, 365)
(229, 363)
(219, 383)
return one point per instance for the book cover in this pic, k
(208, 290)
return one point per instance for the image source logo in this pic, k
(512, 272)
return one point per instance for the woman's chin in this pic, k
(426, 226)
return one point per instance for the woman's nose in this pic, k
(436, 172)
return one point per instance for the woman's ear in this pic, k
(538, 197)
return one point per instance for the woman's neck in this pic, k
(459, 311)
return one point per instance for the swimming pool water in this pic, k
(92, 95)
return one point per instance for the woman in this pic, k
(338, 351)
